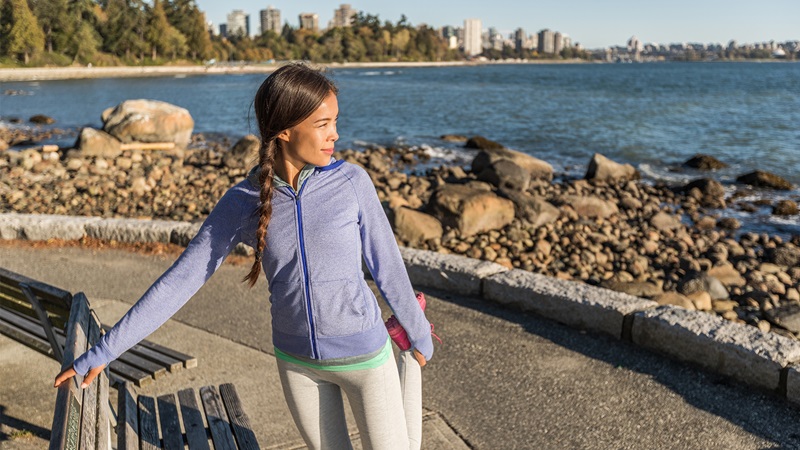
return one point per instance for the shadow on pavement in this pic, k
(757, 411)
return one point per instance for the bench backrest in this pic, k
(46, 304)
(81, 419)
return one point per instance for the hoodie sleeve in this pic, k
(218, 235)
(386, 264)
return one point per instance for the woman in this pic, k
(310, 218)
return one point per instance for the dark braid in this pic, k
(266, 163)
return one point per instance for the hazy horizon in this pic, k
(701, 21)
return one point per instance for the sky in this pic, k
(592, 23)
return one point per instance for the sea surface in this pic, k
(654, 116)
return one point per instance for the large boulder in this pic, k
(535, 210)
(504, 174)
(415, 227)
(93, 142)
(243, 154)
(759, 178)
(470, 210)
(538, 169)
(149, 121)
(705, 162)
(603, 169)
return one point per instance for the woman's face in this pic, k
(311, 141)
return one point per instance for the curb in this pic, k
(742, 352)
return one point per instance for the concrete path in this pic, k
(502, 379)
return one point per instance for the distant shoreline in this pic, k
(73, 73)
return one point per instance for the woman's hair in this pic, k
(286, 98)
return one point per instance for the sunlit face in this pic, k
(311, 141)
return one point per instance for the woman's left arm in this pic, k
(386, 265)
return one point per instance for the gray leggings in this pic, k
(387, 407)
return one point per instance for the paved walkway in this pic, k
(502, 380)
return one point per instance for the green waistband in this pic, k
(383, 355)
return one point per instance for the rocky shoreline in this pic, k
(607, 229)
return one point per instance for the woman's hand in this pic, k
(69, 372)
(420, 358)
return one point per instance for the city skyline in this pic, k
(700, 21)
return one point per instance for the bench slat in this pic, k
(196, 434)
(148, 427)
(239, 420)
(217, 419)
(23, 336)
(122, 370)
(66, 420)
(103, 427)
(162, 355)
(127, 419)
(170, 424)
(91, 417)
(45, 290)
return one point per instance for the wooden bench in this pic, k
(35, 314)
(83, 419)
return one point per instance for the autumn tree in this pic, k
(20, 29)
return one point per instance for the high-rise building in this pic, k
(238, 23)
(223, 30)
(472, 37)
(546, 41)
(271, 20)
(558, 42)
(343, 16)
(520, 40)
(309, 21)
(448, 31)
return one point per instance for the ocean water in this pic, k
(654, 116)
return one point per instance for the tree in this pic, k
(158, 29)
(54, 20)
(21, 30)
(123, 32)
(187, 18)
(176, 42)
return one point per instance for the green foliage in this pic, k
(20, 30)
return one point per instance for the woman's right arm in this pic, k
(218, 235)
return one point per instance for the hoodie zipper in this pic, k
(312, 328)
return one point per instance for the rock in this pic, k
(73, 164)
(729, 223)
(93, 142)
(535, 210)
(41, 119)
(538, 169)
(378, 163)
(149, 121)
(706, 223)
(453, 138)
(763, 179)
(712, 194)
(415, 227)
(705, 162)
(603, 169)
(637, 289)
(506, 175)
(701, 300)
(590, 206)
(701, 281)
(3, 145)
(723, 306)
(665, 222)
(675, 299)
(785, 208)
(469, 210)
(788, 255)
(786, 315)
(481, 143)
(727, 275)
(244, 153)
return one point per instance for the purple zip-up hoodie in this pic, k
(322, 308)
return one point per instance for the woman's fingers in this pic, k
(65, 374)
(69, 372)
(87, 380)
(420, 358)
